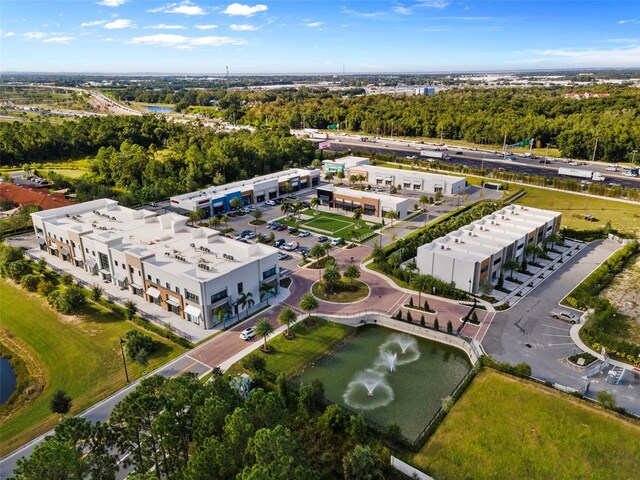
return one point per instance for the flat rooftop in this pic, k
(490, 234)
(396, 200)
(408, 173)
(161, 240)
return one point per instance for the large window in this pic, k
(104, 261)
(191, 296)
(219, 296)
(269, 273)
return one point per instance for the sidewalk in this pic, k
(574, 333)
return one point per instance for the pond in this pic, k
(390, 377)
(158, 109)
(7, 380)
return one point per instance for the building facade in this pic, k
(370, 203)
(194, 273)
(478, 252)
(217, 199)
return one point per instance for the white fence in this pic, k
(408, 470)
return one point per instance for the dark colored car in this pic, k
(280, 228)
(278, 201)
(304, 250)
(293, 230)
(305, 204)
(322, 238)
(244, 233)
(279, 242)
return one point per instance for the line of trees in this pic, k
(180, 428)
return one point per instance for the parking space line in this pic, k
(553, 335)
(559, 344)
(558, 328)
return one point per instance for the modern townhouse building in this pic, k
(477, 252)
(217, 199)
(195, 273)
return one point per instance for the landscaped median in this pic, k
(507, 428)
(79, 354)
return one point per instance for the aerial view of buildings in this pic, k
(344, 240)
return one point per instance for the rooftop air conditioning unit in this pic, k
(442, 247)
(470, 233)
(192, 245)
(457, 240)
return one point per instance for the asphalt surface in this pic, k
(526, 333)
(477, 159)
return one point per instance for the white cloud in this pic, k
(206, 27)
(402, 10)
(162, 26)
(34, 35)
(314, 24)
(433, 4)
(112, 3)
(615, 57)
(632, 21)
(118, 24)
(93, 23)
(58, 39)
(245, 27)
(183, 42)
(7, 34)
(244, 10)
(183, 8)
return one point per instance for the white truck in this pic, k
(579, 173)
(431, 156)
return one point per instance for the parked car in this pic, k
(322, 238)
(247, 334)
(337, 242)
(244, 233)
(565, 316)
(278, 201)
(280, 228)
(271, 203)
(250, 236)
(291, 246)
(283, 256)
(304, 250)
(305, 204)
(304, 233)
(293, 230)
(279, 242)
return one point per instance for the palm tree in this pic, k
(286, 317)
(286, 187)
(317, 251)
(391, 215)
(246, 301)
(331, 276)
(286, 207)
(196, 216)
(235, 203)
(379, 255)
(214, 222)
(257, 215)
(263, 329)
(357, 215)
(555, 239)
(328, 176)
(308, 302)
(424, 201)
(512, 265)
(353, 179)
(225, 218)
(313, 203)
(340, 175)
(297, 208)
(352, 272)
(535, 250)
(395, 259)
(411, 267)
(266, 291)
(421, 283)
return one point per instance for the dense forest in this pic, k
(141, 159)
(180, 429)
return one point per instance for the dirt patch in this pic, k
(623, 294)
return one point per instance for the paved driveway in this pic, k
(526, 332)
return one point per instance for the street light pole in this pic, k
(593, 158)
(633, 159)
(124, 360)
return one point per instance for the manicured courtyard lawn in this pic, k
(80, 355)
(313, 337)
(624, 217)
(507, 428)
(345, 291)
(332, 224)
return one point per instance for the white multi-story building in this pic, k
(404, 179)
(217, 199)
(477, 252)
(370, 203)
(195, 273)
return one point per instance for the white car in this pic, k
(336, 242)
(247, 334)
(271, 203)
(304, 233)
(565, 316)
(291, 246)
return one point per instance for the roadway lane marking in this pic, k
(198, 361)
(400, 300)
(185, 369)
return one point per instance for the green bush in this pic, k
(409, 317)
(254, 363)
(30, 282)
(45, 287)
(449, 326)
(138, 346)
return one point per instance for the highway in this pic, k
(472, 158)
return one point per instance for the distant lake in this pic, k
(7, 380)
(158, 109)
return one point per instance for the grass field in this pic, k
(332, 224)
(624, 217)
(68, 172)
(346, 292)
(312, 339)
(507, 428)
(80, 355)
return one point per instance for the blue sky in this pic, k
(308, 36)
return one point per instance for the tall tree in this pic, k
(421, 283)
(352, 272)
(308, 302)
(264, 329)
(286, 317)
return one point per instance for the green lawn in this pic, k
(332, 224)
(345, 292)
(507, 428)
(624, 217)
(80, 354)
(69, 172)
(313, 337)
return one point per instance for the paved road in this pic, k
(526, 332)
